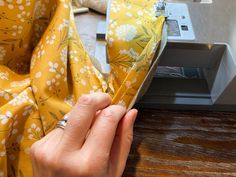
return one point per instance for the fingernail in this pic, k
(136, 111)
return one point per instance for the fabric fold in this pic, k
(44, 68)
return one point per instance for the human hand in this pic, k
(95, 142)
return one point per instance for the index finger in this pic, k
(103, 131)
(81, 117)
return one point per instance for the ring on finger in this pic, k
(62, 123)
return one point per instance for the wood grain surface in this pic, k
(177, 143)
(174, 143)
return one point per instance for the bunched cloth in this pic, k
(44, 68)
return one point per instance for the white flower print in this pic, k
(115, 7)
(64, 56)
(22, 6)
(127, 6)
(39, 28)
(23, 16)
(140, 13)
(27, 2)
(27, 110)
(113, 24)
(126, 32)
(83, 82)
(65, 4)
(27, 151)
(55, 82)
(95, 87)
(123, 68)
(110, 32)
(50, 39)
(38, 75)
(90, 70)
(110, 41)
(73, 55)
(40, 10)
(2, 153)
(70, 33)
(34, 132)
(60, 73)
(13, 125)
(131, 53)
(138, 22)
(128, 84)
(20, 83)
(69, 100)
(3, 142)
(5, 95)
(129, 14)
(4, 75)
(38, 31)
(2, 53)
(65, 23)
(41, 51)
(53, 67)
(20, 99)
(5, 117)
(83, 70)
(9, 4)
(16, 30)
(52, 83)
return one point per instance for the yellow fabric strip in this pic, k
(44, 68)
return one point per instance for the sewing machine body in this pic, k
(179, 22)
(208, 80)
(204, 55)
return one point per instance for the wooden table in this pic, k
(175, 143)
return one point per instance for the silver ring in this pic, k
(62, 123)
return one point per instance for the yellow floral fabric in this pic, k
(44, 68)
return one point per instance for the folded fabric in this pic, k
(44, 68)
(98, 5)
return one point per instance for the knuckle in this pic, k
(109, 116)
(85, 100)
(93, 99)
(118, 109)
(113, 113)
(46, 156)
(43, 156)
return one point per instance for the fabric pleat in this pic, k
(44, 68)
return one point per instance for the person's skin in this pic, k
(95, 142)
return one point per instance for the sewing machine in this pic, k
(197, 69)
